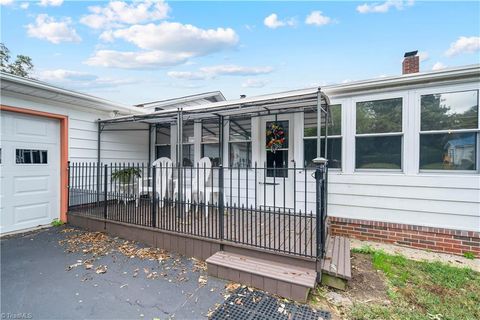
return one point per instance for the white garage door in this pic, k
(30, 171)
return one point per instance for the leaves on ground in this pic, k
(232, 286)
(202, 280)
(101, 269)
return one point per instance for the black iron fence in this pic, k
(276, 209)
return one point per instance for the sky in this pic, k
(133, 52)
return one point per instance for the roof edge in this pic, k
(103, 104)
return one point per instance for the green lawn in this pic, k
(422, 290)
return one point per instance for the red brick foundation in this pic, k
(435, 239)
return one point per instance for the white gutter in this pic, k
(464, 72)
(101, 104)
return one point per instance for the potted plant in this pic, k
(126, 176)
(126, 189)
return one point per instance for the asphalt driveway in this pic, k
(41, 279)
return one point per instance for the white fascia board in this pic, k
(464, 72)
(39, 86)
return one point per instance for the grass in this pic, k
(422, 290)
(57, 223)
(469, 255)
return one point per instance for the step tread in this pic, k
(337, 258)
(275, 270)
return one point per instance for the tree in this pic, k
(5, 57)
(22, 66)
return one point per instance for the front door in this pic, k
(277, 154)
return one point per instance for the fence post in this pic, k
(221, 206)
(319, 204)
(154, 195)
(68, 185)
(105, 191)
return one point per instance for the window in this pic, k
(334, 141)
(188, 144)
(277, 157)
(240, 142)
(29, 156)
(449, 131)
(162, 141)
(378, 142)
(211, 141)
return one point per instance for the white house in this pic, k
(403, 151)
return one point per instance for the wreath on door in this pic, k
(275, 137)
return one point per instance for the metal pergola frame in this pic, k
(283, 103)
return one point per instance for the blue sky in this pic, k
(141, 51)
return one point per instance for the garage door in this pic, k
(30, 171)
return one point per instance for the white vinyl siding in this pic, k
(116, 146)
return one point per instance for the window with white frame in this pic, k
(240, 142)
(188, 144)
(379, 134)
(334, 140)
(449, 129)
(162, 141)
(211, 141)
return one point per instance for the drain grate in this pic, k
(256, 305)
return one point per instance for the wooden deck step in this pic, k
(336, 266)
(285, 280)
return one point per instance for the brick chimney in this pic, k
(411, 62)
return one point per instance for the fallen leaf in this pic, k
(232, 286)
(101, 269)
(202, 280)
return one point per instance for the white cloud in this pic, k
(136, 60)
(438, 66)
(423, 56)
(25, 5)
(234, 70)
(384, 7)
(118, 13)
(187, 75)
(6, 2)
(255, 83)
(176, 37)
(273, 22)
(164, 44)
(62, 75)
(219, 70)
(464, 45)
(47, 28)
(316, 18)
(53, 3)
(81, 80)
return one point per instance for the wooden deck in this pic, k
(288, 233)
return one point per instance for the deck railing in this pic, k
(274, 209)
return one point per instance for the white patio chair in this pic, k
(201, 187)
(163, 176)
